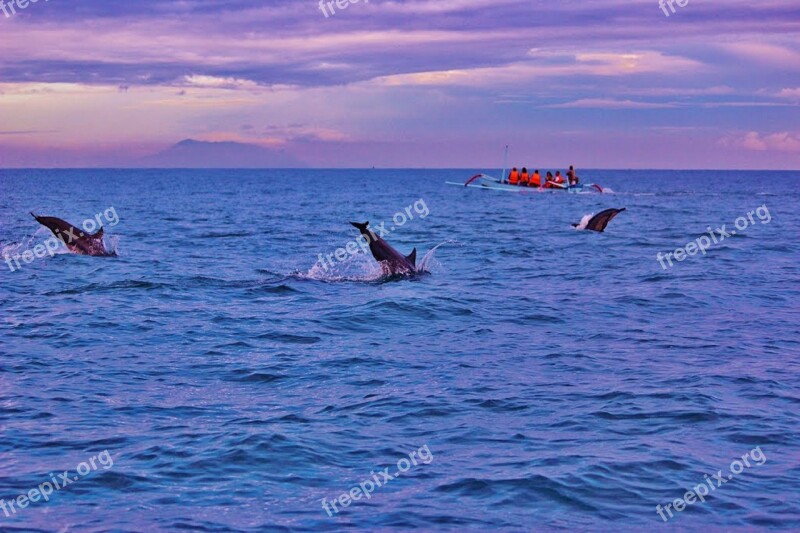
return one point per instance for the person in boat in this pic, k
(554, 182)
(524, 178)
(536, 180)
(513, 177)
(572, 177)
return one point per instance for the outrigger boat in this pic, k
(485, 181)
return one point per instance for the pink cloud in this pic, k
(610, 103)
(766, 54)
(775, 142)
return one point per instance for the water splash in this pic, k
(363, 268)
(429, 263)
(111, 243)
(41, 235)
(584, 221)
(359, 267)
(38, 238)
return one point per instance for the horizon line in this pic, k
(466, 169)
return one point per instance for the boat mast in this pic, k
(505, 165)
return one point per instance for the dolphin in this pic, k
(392, 262)
(76, 240)
(600, 220)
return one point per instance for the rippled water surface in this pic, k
(559, 378)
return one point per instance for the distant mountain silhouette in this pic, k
(190, 153)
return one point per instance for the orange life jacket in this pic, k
(513, 178)
(524, 178)
(536, 180)
(559, 179)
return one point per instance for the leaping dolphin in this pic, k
(76, 240)
(600, 220)
(392, 262)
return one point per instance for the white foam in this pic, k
(429, 263)
(584, 221)
(362, 267)
(357, 267)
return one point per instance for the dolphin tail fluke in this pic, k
(412, 257)
(361, 227)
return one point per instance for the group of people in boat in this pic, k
(526, 179)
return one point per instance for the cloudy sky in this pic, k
(406, 83)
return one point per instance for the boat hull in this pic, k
(486, 182)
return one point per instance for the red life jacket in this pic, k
(513, 178)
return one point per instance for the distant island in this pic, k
(190, 153)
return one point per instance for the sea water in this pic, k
(559, 378)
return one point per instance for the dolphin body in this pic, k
(76, 240)
(392, 262)
(600, 220)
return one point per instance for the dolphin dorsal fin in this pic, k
(412, 257)
(98, 234)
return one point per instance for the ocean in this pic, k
(228, 372)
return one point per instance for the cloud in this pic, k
(712, 105)
(753, 141)
(391, 71)
(610, 103)
(215, 82)
(718, 90)
(773, 55)
(551, 64)
(789, 93)
(26, 132)
(430, 7)
(775, 142)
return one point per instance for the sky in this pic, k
(414, 83)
